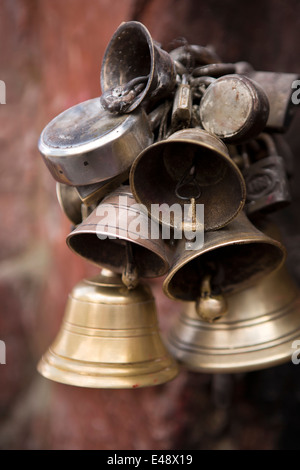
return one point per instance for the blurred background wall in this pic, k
(50, 59)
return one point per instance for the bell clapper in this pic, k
(194, 216)
(210, 307)
(188, 189)
(130, 276)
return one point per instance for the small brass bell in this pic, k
(134, 69)
(117, 235)
(258, 331)
(109, 338)
(235, 256)
(190, 164)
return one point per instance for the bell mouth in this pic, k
(260, 327)
(129, 54)
(241, 263)
(111, 254)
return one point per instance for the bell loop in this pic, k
(188, 182)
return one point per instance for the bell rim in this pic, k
(165, 263)
(121, 27)
(59, 372)
(249, 361)
(250, 239)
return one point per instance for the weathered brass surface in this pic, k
(262, 322)
(86, 145)
(69, 202)
(157, 171)
(278, 88)
(109, 338)
(128, 224)
(234, 108)
(130, 54)
(240, 251)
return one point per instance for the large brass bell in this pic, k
(109, 338)
(117, 234)
(231, 258)
(134, 69)
(191, 163)
(262, 322)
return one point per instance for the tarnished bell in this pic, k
(119, 222)
(262, 322)
(109, 338)
(235, 256)
(86, 145)
(191, 163)
(134, 69)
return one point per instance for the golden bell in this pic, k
(132, 57)
(116, 225)
(191, 163)
(109, 338)
(262, 322)
(240, 254)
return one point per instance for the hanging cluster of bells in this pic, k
(173, 128)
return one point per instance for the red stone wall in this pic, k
(51, 53)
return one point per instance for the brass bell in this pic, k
(235, 256)
(134, 69)
(262, 322)
(109, 338)
(118, 234)
(190, 164)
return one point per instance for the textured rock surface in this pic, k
(50, 59)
